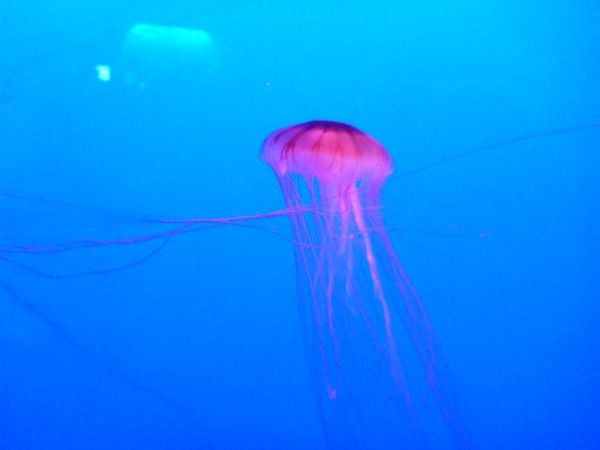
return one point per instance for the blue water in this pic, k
(199, 346)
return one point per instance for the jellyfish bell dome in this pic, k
(333, 153)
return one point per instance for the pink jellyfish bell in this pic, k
(333, 153)
(354, 295)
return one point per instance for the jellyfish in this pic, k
(354, 296)
(372, 353)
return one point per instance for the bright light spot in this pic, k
(103, 72)
(162, 56)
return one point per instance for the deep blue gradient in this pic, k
(199, 346)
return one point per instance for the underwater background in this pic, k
(114, 113)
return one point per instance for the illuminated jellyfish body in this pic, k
(354, 295)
